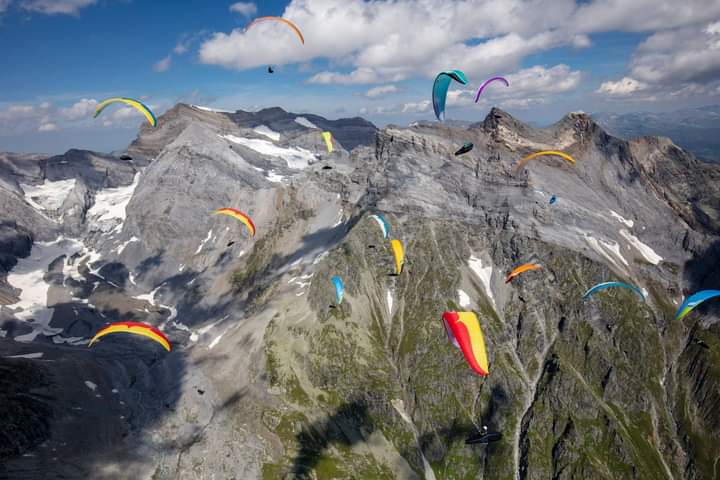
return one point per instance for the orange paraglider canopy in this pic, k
(522, 268)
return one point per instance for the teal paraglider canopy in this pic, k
(339, 289)
(440, 88)
(604, 285)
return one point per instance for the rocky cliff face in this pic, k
(269, 379)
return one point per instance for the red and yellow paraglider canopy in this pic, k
(238, 215)
(136, 328)
(464, 331)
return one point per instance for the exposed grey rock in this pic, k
(269, 378)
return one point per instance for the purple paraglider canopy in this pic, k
(482, 87)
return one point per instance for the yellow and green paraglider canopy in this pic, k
(327, 136)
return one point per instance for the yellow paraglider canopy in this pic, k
(399, 253)
(527, 158)
(327, 136)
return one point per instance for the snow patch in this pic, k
(484, 274)
(28, 276)
(389, 299)
(271, 134)
(399, 407)
(622, 219)
(27, 355)
(647, 252)
(208, 109)
(296, 157)
(108, 212)
(121, 247)
(305, 122)
(90, 385)
(319, 258)
(202, 244)
(216, 340)
(464, 299)
(49, 195)
(605, 248)
(274, 177)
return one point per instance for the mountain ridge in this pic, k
(606, 388)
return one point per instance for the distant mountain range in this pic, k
(695, 129)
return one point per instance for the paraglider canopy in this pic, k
(522, 268)
(327, 136)
(440, 88)
(339, 289)
(465, 148)
(384, 226)
(279, 19)
(604, 285)
(483, 438)
(485, 84)
(399, 254)
(238, 215)
(693, 301)
(464, 332)
(136, 328)
(136, 104)
(527, 158)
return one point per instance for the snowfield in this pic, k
(484, 274)
(271, 134)
(305, 122)
(28, 275)
(49, 195)
(108, 212)
(647, 252)
(296, 157)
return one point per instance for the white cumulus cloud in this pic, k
(246, 9)
(381, 91)
(81, 109)
(624, 86)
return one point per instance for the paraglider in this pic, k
(485, 437)
(327, 136)
(440, 88)
(399, 254)
(527, 158)
(279, 19)
(522, 268)
(485, 84)
(463, 330)
(136, 328)
(339, 289)
(270, 70)
(553, 199)
(384, 226)
(464, 149)
(693, 301)
(237, 214)
(138, 105)
(604, 285)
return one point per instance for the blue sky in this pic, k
(373, 59)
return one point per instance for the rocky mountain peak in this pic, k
(282, 378)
